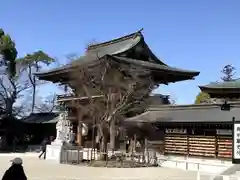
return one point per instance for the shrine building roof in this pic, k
(203, 113)
(129, 49)
(225, 89)
(41, 118)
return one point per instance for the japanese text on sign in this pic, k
(236, 142)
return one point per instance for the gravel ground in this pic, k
(49, 170)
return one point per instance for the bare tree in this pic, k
(90, 43)
(114, 90)
(11, 90)
(17, 76)
(46, 104)
(32, 63)
(8, 87)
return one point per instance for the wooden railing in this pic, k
(70, 97)
(72, 155)
(77, 155)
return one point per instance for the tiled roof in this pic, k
(155, 66)
(234, 84)
(97, 51)
(116, 48)
(41, 118)
(204, 114)
(171, 74)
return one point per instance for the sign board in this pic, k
(236, 142)
(176, 131)
(224, 131)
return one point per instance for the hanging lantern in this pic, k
(84, 129)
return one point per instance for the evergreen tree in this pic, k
(228, 72)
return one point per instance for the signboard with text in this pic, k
(224, 131)
(176, 131)
(236, 142)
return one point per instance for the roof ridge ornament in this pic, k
(138, 33)
(116, 40)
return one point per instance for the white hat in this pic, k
(17, 160)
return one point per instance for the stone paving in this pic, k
(50, 170)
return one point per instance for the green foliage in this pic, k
(202, 97)
(33, 60)
(8, 52)
(30, 62)
(229, 72)
(18, 75)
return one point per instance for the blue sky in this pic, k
(197, 35)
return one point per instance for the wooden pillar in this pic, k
(134, 142)
(79, 127)
(146, 150)
(79, 134)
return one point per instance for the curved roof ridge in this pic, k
(152, 64)
(224, 82)
(237, 79)
(116, 40)
(155, 57)
(235, 83)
